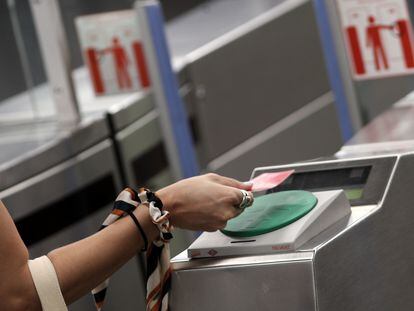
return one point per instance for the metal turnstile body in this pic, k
(61, 192)
(253, 88)
(361, 262)
(390, 132)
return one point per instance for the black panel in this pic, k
(150, 164)
(370, 176)
(194, 128)
(349, 179)
(345, 177)
(67, 211)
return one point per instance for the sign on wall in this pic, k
(378, 36)
(112, 49)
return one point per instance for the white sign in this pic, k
(112, 48)
(378, 36)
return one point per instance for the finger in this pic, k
(233, 211)
(227, 181)
(221, 225)
(246, 202)
(236, 196)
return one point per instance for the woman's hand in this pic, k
(204, 202)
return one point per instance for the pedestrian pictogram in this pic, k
(378, 36)
(113, 51)
(121, 62)
(375, 42)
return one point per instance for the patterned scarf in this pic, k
(158, 275)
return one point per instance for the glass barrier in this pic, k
(24, 91)
(22, 74)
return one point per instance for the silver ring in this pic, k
(247, 200)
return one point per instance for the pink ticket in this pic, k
(267, 181)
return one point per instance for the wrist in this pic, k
(166, 198)
(150, 229)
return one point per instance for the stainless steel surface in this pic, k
(29, 149)
(395, 124)
(251, 285)
(264, 73)
(127, 112)
(361, 263)
(373, 273)
(390, 132)
(194, 31)
(375, 96)
(376, 149)
(64, 179)
(307, 133)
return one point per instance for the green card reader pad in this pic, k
(271, 212)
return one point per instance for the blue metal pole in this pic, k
(177, 114)
(334, 73)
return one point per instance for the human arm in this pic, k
(80, 266)
(200, 203)
(17, 290)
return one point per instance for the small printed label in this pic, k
(212, 252)
(281, 247)
(193, 254)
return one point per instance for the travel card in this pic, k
(268, 181)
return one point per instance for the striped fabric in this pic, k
(158, 255)
(158, 276)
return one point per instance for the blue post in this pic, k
(176, 111)
(334, 72)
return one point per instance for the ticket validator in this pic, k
(346, 248)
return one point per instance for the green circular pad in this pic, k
(271, 212)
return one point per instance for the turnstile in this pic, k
(390, 132)
(359, 262)
(256, 97)
(61, 191)
(260, 94)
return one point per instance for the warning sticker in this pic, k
(378, 36)
(112, 48)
